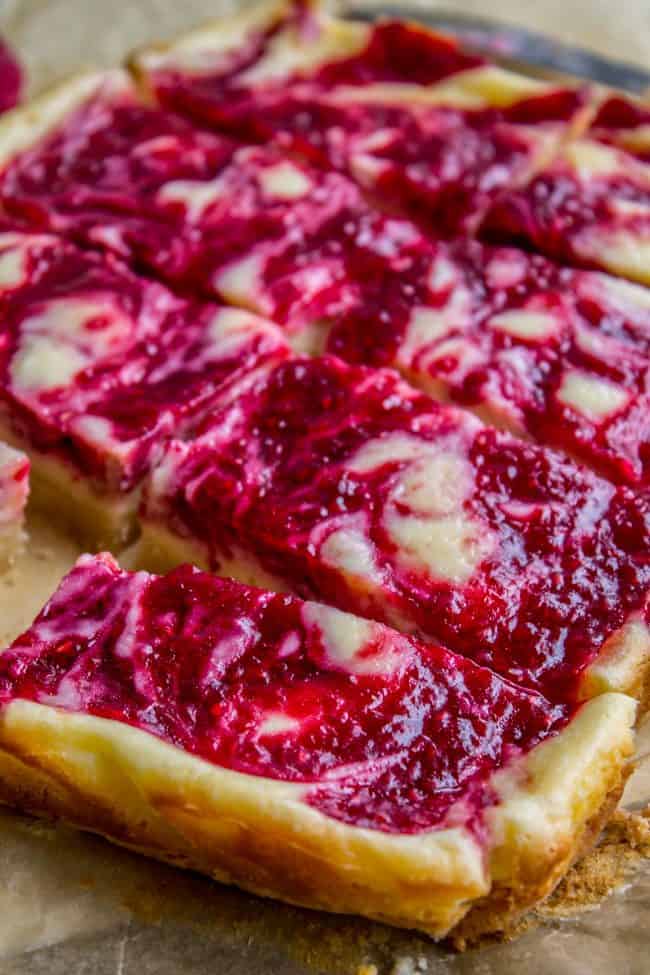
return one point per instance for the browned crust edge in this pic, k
(501, 911)
(175, 829)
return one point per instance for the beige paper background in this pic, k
(73, 905)
(57, 36)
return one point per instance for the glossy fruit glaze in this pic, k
(11, 78)
(444, 164)
(99, 367)
(296, 230)
(392, 52)
(97, 175)
(512, 333)
(353, 488)
(624, 122)
(559, 212)
(376, 730)
(592, 203)
(441, 165)
(192, 208)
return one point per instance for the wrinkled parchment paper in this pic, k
(71, 904)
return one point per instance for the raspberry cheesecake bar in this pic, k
(551, 353)
(14, 490)
(591, 205)
(183, 716)
(302, 247)
(406, 112)
(246, 223)
(345, 484)
(98, 368)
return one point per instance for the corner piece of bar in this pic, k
(183, 716)
(590, 205)
(92, 161)
(99, 368)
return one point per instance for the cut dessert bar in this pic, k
(551, 353)
(91, 150)
(302, 247)
(98, 368)
(300, 752)
(241, 222)
(591, 205)
(14, 490)
(346, 485)
(403, 110)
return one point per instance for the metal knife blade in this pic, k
(518, 46)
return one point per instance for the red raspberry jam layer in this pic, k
(99, 172)
(248, 224)
(624, 122)
(560, 355)
(99, 367)
(220, 93)
(574, 219)
(272, 234)
(374, 729)
(351, 487)
(592, 204)
(11, 78)
(444, 164)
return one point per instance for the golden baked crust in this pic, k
(94, 519)
(150, 796)
(198, 49)
(23, 127)
(499, 913)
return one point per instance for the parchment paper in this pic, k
(72, 904)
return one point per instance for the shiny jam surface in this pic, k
(443, 166)
(394, 53)
(11, 78)
(373, 728)
(271, 233)
(397, 52)
(98, 176)
(450, 161)
(100, 367)
(624, 122)
(357, 490)
(590, 202)
(559, 212)
(559, 354)
(246, 224)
